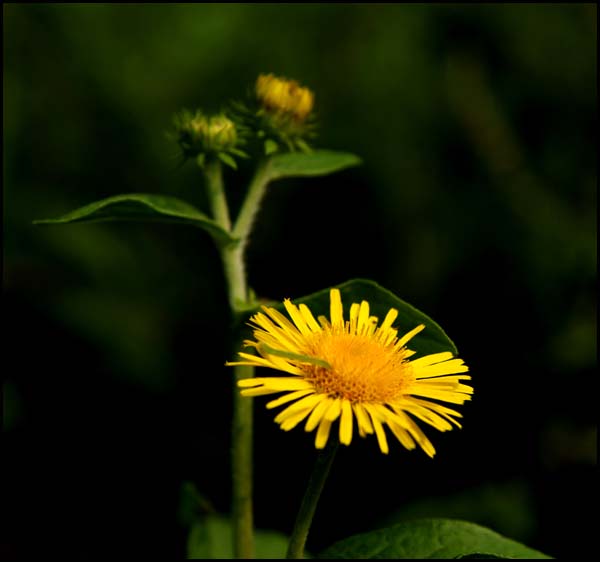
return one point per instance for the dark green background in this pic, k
(476, 203)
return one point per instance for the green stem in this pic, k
(251, 204)
(310, 500)
(235, 275)
(241, 454)
(241, 468)
(232, 256)
(213, 172)
(241, 429)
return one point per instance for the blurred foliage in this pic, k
(210, 534)
(506, 507)
(430, 538)
(476, 202)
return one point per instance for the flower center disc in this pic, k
(362, 369)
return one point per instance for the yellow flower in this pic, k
(352, 369)
(280, 95)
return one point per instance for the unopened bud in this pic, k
(282, 96)
(199, 134)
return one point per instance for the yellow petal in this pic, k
(322, 434)
(335, 309)
(407, 337)
(402, 435)
(432, 359)
(415, 431)
(259, 391)
(346, 423)
(287, 398)
(310, 319)
(354, 308)
(317, 414)
(292, 421)
(297, 317)
(443, 411)
(443, 395)
(451, 367)
(363, 317)
(388, 320)
(286, 328)
(302, 404)
(376, 416)
(425, 415)
(277, 383)
(334, 410)
(362, 418)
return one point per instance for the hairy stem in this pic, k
(241, 436)
(241, 468)
(251, 204)
(213, 173)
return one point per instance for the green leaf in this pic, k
(431, 340)
(227, 160)
(193, 506)
(271, 147)
(303, 146)
(146, 207)
(210, 538)
(507, 507)
(238, 152)
(481, 555)
(315, 163)
(210, 534)
(430, 538)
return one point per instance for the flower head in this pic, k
(350, 370)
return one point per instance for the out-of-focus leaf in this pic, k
(210, 534)
(430, 538)
(210, 538)
(315, 163)
(146, 207)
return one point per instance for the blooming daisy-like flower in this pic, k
(350, 370)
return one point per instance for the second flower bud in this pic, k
(200, 135)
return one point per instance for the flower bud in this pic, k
(281, 96)
(199, 134)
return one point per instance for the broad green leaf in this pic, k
(146, 207)
(480, 556)
(507, 507)
(210, 538)
(430, 538)
(315, 163)
(431, 340)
